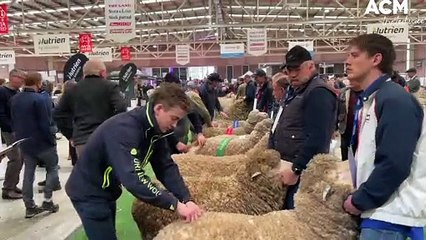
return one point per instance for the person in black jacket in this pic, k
(264, 94)
(209, 95)
(116, 155)
(31, 120)
(92, 101)
(250, 93)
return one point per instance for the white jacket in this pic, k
(406, 206)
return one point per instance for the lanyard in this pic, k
(360, 104)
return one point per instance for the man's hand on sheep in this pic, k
(350, 208)
(181, 147)
(201, 139)
(224, 115)
(189, 211)
(288, 177)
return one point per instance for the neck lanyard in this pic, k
(360, 104)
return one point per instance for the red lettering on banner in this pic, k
(4, 22)
(125, 54)
(85, 42)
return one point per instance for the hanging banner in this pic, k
(73, 69)
(4, 21)
(126, 75)
(7, 57)
(182, 54)
(58, 43)
(256, 42)
(85, 42)
(232, 50)
(120, 20)
(308, 45)
(103, 54)
(396, 32)
(125, 53)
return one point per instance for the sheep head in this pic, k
(321, 196)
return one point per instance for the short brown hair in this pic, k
(32, 79)
(171, 95)
(281, 80)
(375, 43)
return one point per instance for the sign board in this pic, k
(4, 21)
(308, 45)
(7, 57)
(120, 20)
(232, 50)
(126, 75)
(58, 43)
(103, 54)
(397, 33)
(257, 44)
(73, 69)
(182, 54)
(85, 42)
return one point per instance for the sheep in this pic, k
(246, 127)
(248, 184)
(318, 215)
(224, 145)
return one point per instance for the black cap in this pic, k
(296, 56)
(214, 77)
(411, 70)
(260, 73)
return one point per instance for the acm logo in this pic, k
(387, 7)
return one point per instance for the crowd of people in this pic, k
(374, 110)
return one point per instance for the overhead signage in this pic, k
(257, 44)
(120, 20)
(45, 44)
(182, 54)
(397, 33)
(103, 54)
(7, 57)
(232, 50)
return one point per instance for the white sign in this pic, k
(232, 50)
(120, 20)
(308, 45)
(58, 43)
(397, 33)
(7, 57)
(104, 54)
(182, 54)
(256, 42)
(387, 7)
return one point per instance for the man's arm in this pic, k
(250, 93)
(167, 172)
(4, 115)
(195, 120)
(217, 105)
(319, 119)
(44, 120)
(129, 169)
(396, 140)
(116, 100)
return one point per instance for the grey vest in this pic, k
(289, 136)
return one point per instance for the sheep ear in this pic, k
(326, 192)
(255, 175)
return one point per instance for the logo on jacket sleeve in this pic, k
(134, 152)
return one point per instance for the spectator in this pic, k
(241, 90)
(31, 119)
(389, 165)
(250, 93)
(92, 101)
(398, 79)
(264, 92)
(14, 165)
(413, 82)
(209, 95)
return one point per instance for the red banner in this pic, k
(125, 54)
(85, 42)
(4, 22)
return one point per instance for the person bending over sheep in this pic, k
(117, 153)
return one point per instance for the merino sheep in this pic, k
(248, 184)
(318, 214)
(246, 127)
(225, 145)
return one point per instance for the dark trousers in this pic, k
(345, 142)
(79, 149)
(73, 153)
(98, 219)
(50, 158)
(14, 165)
(289, 197)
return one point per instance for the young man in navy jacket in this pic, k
(116, 154)
(389, 167)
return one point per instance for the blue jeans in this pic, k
(98, 219)
(378, 234)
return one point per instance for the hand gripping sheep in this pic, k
(248, 184)
(318, 214)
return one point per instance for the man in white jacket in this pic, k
(389, 165)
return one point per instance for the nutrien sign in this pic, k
(103, 54)
(45, 44)
(7, 57)
(397, 33)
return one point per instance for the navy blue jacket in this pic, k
(210, 99)
(117, 152)
(30, 119)
(250, 94)
(6, 94)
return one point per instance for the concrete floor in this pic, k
(56, 226)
